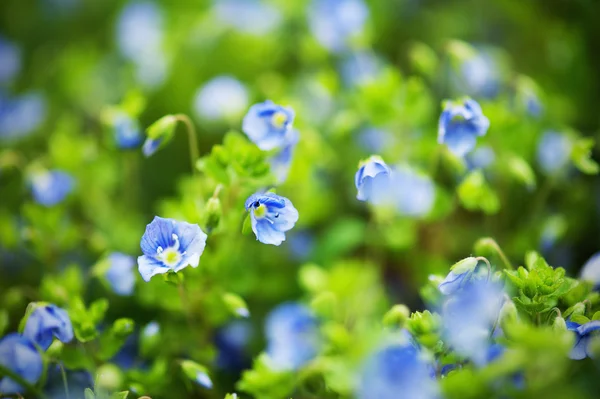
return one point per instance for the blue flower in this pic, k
(255, 17)
(481, 158)
(584, 335)
(18, 354)
(271, 216)
(461, 122)
(292, 336)
(334, 22)
(374, 140)
(268, 125)
(46, 323)
(281, 161)
(231, 341)
(460, 274)
(481, 75)
(591, 270)
(221, 98)
(533, 104)
(468, 317)
(151, 146)
(554, 152)
(394, 369)
(414, 193)
(127, 132)
(120, 273)
(51, 187)
(372, 180)
(21, 115)
(359, 68)
(10, 54)
(170, 245)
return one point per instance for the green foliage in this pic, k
(475, 194)
(263, 382)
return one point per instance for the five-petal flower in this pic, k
(268, 125)
(461, 122)
(271, 216)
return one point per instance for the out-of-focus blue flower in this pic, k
(480, 75)
(128, 133)
(231, 341)
(10, 54)
(591, 270)
(170, 245)
(21, 115)
(292, 336)
(460, 274)
(77, 381)
(128, 355)
(18, 354)
(47, 322)
(481, 158)
(468, 316)
(554, 152)
(302, 244)
(151, 146)
(397, 370)
(374, 140)
(533, 105)
(585, 333)
(414, 193)
(461, 122)
(220, 98)
(280, 162)
(51, 187)
(268, 125)
(334, 22)
(271, 216)
(359, 68)
(151, 329)
(254, 17)
(120, 273)
(372, 180)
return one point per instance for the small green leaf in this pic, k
(396, 317)
(475, 194)
(120, 395)
(89, 394)
(520, 170)
(3, 321)
(196, 373)
(247, 226)
(581, 156)
(236, 305)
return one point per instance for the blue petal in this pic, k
(18, 354)
(159, 233)
(451, 283)
(192, 239)
(51, 187)
(47, 322)
(258, 126)
(120, 274)
(587, 328)
(265, 232)
(579, 350)
(150, 146)
(149, 266)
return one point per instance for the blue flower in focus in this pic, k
(21, 115)
(292, 336)
(231, 341)
(46, 323)
(372, 180)
(334, 22)
(10, 54)
(591, 270)
(414, 193)
(281, 161)
(255, 17)
(461, 122)
(468, 317)
(120, 273)
(170, 245)
(51, 187)
(128, 133)
(271, 216)
(221, 98)
(397, 369)
(585, 333)
(554, 152)
(268, 125)
(19, 354)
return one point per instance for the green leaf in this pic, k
(520, 170)
(114, 338)
(263, 382)
(581, 156)
(475, 194)
(397, 316)
(236, 305)
(120, 395)
(162, 129)
(196, 373)
(4, 321)
(247, 225)
(89, 394)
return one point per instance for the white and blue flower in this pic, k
(414, 193)
(269, 125)
(554, 152)
(222, 97)
(372, 180)
(47, 322)
(334, 22)
(19, 354)
(585, 333)
(51, 187)
(127, 131)
(271, 216)
(170, 245)
(461, 122)
(254, 17)
(120, 274)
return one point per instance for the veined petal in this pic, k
(149, 266)
(266, 234)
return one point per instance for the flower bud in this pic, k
(213, 214)
(396, 316)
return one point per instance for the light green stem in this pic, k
(193, 139)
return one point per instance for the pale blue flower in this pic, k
(461, 122)
(151, 329)
(128, 133)
(374, 140)
(335, 22)
(591, 270)
(120, 274)
(47, 322)
(584, 333)
(480, 158)
(232, 341)
(281, 161)
(220, 98)
(533, 105)
(271, 216)
(554, 152)
(397, 369)
(414, 193)
(302, 245)
(292, 336)
(19, 354)
(51, 187)
(372, 180)
(10, 54)
(359, 68)
(151, 146)
(170, 245)
(459, 276)
(268, 125)
(255, 17)
(21, 115)
(481, 75)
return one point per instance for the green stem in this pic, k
(185, 303)
(64, 378)
(21, 381)
(193, 139)
(491, 242)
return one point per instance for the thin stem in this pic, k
(193, 139)
(490, 241)
(487, 262)
(64, 378)
(5, 371)
(185, 303)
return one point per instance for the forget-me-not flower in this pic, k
(414, 193)
(461, 122)
(21, 115)
(271, 216)
(170, 245)
(220, 98)
(47, 322)
(128, 133)
(268, 125)
(120, 274)
(10, 54)
(394, 371)
(334, 22)
(585, 333)
(292, 336)
(554, 152)
(372, 180)
(19, 354)
(255, 17)
(591, 270)
(51, 187)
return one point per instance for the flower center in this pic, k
(279, 119)
(260, 211)
(171, 255)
